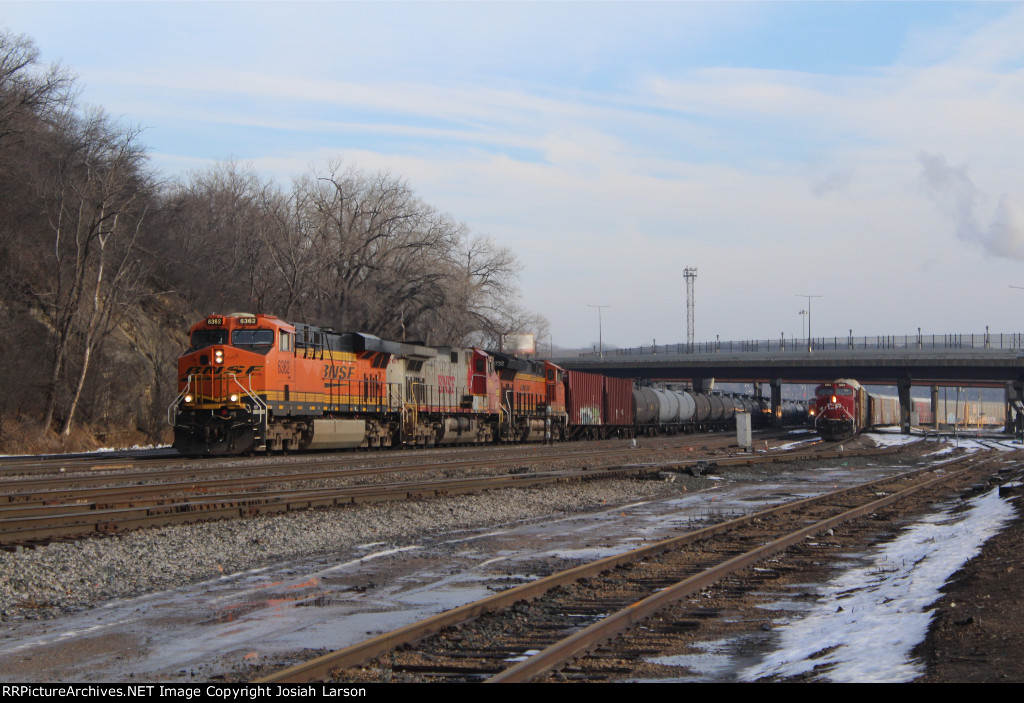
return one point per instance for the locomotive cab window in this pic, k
(844, 391)
(258, 341)
(207, 338)
(286, 341)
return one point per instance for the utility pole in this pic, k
(600, 333)
(808, 317)
(690, 274)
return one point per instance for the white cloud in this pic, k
(612, 155)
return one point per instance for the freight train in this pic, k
(958, 411)
(844, 408)
(257, 383)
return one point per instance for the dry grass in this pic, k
(25, 437)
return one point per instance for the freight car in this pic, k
(253, 383)
(667, 411)
(958, 411)
(844, 408)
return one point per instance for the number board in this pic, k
(215, 321)
(247, 320)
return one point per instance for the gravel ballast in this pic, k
(64, 577)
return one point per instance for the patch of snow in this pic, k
(870, 618)
(891, 440)
(793, 445)
(524, 656)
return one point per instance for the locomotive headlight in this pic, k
(233, 397)
(188, 398)
(218, 356)
(833, 399)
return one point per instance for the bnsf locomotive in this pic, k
(254, 382)
(844, 408)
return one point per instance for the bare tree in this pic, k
(27, 94)
(211, 239)
(294, 247)
(93, 204)
(387, 250)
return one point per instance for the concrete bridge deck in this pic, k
(995, 361)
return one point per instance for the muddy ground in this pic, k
(978, 631)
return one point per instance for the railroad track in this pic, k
(147, 465)
(529, 631)
(37, 511)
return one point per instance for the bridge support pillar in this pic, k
(776, 387)
(935, 408)
(1015, 409)
(904, 388)
(703, 385)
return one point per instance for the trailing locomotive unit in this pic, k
(254, 382)
(532, 399)
(446, 395)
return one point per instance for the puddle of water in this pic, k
(325, 604)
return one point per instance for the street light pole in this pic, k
(600, 332)
(808, 317)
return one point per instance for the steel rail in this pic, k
(321, 667)
(84, 465)
(603, 630)
(53, 489)
(17, 487)
(133, 507)
(88, 463)
(41, 527)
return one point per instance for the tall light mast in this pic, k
(690, 274)
(600, 332)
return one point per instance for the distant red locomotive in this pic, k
(844, 408)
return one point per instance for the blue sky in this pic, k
(866, 152)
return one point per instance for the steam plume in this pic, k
(956, 196)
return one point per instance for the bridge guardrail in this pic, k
(913, 342)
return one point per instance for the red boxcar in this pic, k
(584, 394)
(598, 406)
(618, 402)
